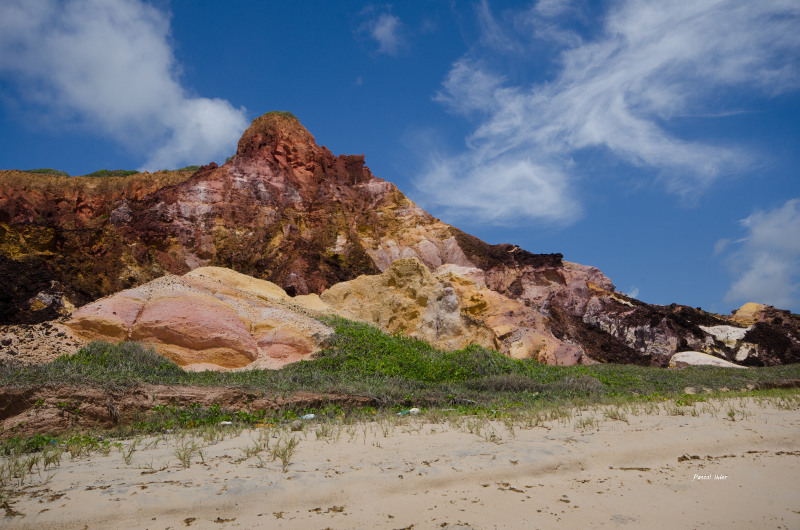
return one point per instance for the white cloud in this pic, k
(651, 63)
(633, 292)
(386, 30)
(766, 265)
(498, 190)
(109, 65)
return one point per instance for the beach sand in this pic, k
(722, 464)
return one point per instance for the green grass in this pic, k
(100, 173)
(48, 171)
(112, 173)
(100, 363)
(189, 168)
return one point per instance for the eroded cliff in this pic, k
(287, 210)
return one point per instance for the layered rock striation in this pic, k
(288, 211)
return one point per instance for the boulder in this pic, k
(696, 358)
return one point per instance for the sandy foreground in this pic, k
(653, 469)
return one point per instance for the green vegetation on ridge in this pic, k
(112, 173)
(100, 173)
(47, 171)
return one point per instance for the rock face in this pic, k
(286, 210)
(449, 308)
(209, 318)
(407, 299)
(58, 247)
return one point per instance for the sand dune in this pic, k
(656, 470)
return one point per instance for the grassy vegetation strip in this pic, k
(362, 360)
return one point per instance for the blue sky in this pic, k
(658, 141)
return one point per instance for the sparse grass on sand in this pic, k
(33, 461)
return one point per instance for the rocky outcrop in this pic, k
(209, 318)
(450, 308)
(286, 210)
(289, 211)
(407, 299)
(748, 314)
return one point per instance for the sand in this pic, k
(656, 469)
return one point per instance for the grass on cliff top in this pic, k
(101, 172)
(398, 371)
(284, 113)
(112, 173)
(47, 171)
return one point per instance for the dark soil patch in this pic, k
(486, 256)
(775, 344)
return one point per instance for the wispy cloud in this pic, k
(765, 264)
(493, 34)
(385, 29)
(651, 63)
(552, 8)
(109, 66)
